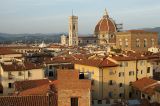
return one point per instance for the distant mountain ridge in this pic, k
(156, 29)
(29, 38)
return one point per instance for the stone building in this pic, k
(136, 40)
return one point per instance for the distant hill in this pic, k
(29, 38)
(156, 29)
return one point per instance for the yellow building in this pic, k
(112, 76)
(9, 73)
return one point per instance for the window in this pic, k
(126, 42)
(131, 73)
(1, 90)
(81, 76)
(74, 101)
(120, 42)
(143, 95)
(74, 27)
(111, 72)
(137, 43)
(121, 64)
(110, 94)
(120, 84)
(126, 64)
(20, 73)
(148, 69)
(110, 82)
(149, 98)
(121, 95)
(99, 101)
(121, 74)
(50, 73)
(92, 82)
(141, 63)
(152, 42)
(10, 85)
(145, 42)
(141, 71)
(29, 74)
(130, 94)
(10, 76)
(92, 101)
(107, 101)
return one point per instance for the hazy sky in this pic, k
(51, 16)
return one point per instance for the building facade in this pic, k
(136, 40)
(112, 77)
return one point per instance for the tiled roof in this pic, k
(41, 90)
(20, 67)
(105, 25)
(28, 84)
(145, 85)
(6, 51)
(29, 101)
(97, 62)
(123, 58)
(58, 60)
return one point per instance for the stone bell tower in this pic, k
(73, 30)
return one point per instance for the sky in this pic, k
(51, 16)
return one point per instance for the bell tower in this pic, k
(73, 30)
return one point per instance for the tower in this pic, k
(73, 30)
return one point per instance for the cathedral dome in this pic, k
(105, 25)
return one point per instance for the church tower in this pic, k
(73, 30)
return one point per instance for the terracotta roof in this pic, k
(28, 84)
(6, 51)
(29, 100)
(145, 85)
(20, 67)
(97, 62)
(138, 56)
(41, 90)
(105, 25)
(58, 59)
(123, 58)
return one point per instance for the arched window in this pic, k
(126, 42)
(152, 42)
(145, 42)
(120, 42)
(137, 43)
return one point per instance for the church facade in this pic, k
(104, 33)
(107, 33)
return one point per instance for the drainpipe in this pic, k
(136, 69)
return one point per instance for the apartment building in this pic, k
(11, 72)
(112, 76)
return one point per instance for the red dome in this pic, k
(105, 25)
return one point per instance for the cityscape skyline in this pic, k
(52, 16)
